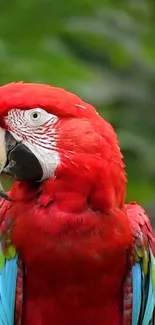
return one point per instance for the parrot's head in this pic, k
(47, 132)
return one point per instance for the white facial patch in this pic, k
(35, 128)
(49, 159)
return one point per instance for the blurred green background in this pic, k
(102, 50)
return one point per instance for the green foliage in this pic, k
(102, 50)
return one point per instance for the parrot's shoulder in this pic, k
(140, 224)
(11, 274)
(139, 287)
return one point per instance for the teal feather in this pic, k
(11, 283)
(143, 292)
(149, 304)
(137, 294)
(8, 278)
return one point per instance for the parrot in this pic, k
(72, 251)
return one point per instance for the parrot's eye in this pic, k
(18, 119)
(35, 115)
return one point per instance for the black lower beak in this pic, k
(21, 163)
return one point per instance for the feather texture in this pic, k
(143, 268)
(137, 294)
(7, 292)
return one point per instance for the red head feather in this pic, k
(54, 100)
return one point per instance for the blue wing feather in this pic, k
(8, 277)
(11, 276)
(140, 305)
(137, 293)
(149, 304)
(143, 287)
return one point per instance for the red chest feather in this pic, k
(75, 263)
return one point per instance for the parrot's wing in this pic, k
(139, 288)
(10, 271)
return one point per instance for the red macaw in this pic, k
(71, 251)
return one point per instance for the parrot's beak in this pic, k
(3, 160)
(17, 161)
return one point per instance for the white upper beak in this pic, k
(3, 154)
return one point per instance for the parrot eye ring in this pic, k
(35, 115)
